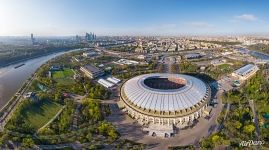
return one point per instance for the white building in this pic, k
(126, 62)
(141, 57)
(113, 80)
(89, 54)
(245, 72)
(105, 83)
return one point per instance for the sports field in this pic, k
(39, 114)
(64, 77)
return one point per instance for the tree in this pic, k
(216, 139)
(249, 129)
(108, 130)
(28, 142)
(46, 131)
(3, 138)
(92, 110)
(186, 66)
(58, 96)
(238, 125)
(89, 136)
(112, 133)
(206, 144)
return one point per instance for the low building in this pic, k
(126, 62)
(113, 80)
(245, 72)
(50, 74)
(141, 57)
(56, 68)
(193, 56)
(217, 62)
(105, 83)
(89, 54)
(108, 68)
(91, 71)
(101, 65)
(77, 58)
(226, 53)
(31, 96)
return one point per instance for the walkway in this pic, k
(251, 104)
(74, 124)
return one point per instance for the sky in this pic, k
(134, 17)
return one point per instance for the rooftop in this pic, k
(91, 68)
(190, 92)
(245, 70)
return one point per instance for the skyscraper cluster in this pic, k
(90, 36)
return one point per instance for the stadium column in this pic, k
(168, 122)
(153, 120)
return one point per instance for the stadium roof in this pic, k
(143, 96)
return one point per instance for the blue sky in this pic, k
(134, 17)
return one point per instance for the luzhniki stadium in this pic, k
(165, 99)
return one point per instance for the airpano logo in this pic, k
(250, 143)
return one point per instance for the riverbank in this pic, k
(11, 80)
(32, 57)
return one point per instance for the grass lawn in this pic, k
(226, 68)
(39, 114)
(262, 107)
(64, 77)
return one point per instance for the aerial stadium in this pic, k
(165, 99)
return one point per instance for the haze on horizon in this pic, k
(133, 17)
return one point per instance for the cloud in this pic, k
(199, 24)
(246, 17)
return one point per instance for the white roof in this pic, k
(113, 80)
(105, 83)
(245, 70)
(165, 100)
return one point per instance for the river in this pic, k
(11, 79)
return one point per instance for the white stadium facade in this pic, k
(165, 99)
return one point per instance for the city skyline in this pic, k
(155, 18)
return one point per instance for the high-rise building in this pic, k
(78, 38)
(32, 39)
